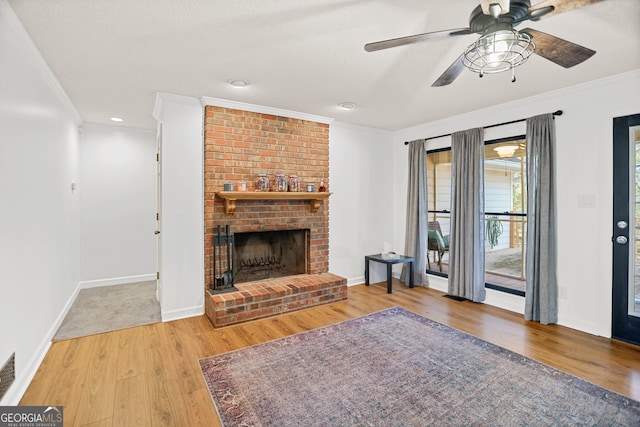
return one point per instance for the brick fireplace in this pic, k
(238, 145)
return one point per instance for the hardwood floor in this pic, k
(149, 375)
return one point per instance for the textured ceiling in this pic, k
(113, 56)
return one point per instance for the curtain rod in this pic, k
(555, 113)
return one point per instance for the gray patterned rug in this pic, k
(109, 308)
(395, 368)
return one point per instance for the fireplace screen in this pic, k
(269, 254)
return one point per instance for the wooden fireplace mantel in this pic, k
(230, 197)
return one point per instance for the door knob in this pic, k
(621, 240)
(156, 232)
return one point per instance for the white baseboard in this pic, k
(516, 304)
(505, 301)
(355, 281)
(19, 387)
(583, 326)
(86, 284)
(439, 283)
(182, 313)
(494, 298)
(373, 277)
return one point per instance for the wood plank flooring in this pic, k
(149, 375)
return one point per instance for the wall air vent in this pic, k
(7, 375)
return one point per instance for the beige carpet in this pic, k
(109, 308)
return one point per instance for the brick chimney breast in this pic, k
(239, 145)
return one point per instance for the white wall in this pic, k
(361, 206)
(584, 162)
(39, 237)
(117, 205)
(181, 263)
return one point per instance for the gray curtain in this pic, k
(466, 244)
(415, 241)
(541, 300)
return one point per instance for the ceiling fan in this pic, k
(501, 47)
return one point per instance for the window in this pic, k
(505, 212)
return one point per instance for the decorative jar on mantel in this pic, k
(294, 183)
(281, 182)
(262, 182)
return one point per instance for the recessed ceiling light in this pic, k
(238, 83)
(117, 119)
(347, 105)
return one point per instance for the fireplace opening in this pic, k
(269, 254)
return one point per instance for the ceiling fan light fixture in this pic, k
(495, 7)
(498, 51)
(506, 151)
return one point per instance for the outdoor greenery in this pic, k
(494, 230)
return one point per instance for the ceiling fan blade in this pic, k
(557, 50)
(401, 41)
(544, 9)
(450, 73)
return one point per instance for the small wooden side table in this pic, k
(401, 259)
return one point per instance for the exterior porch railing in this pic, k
(505, 247)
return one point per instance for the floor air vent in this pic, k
(7, 375)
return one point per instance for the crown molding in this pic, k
(363, 129)
(512, 110)
(9, 17)
(162, 97)
(218, 102)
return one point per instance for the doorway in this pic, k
(158, 229)
(626, 229)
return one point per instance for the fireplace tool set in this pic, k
(223, 269)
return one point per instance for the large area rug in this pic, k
(395, 368)
(109, 308)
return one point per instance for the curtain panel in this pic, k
(466, 244)
(541, 297)
(415, 244)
